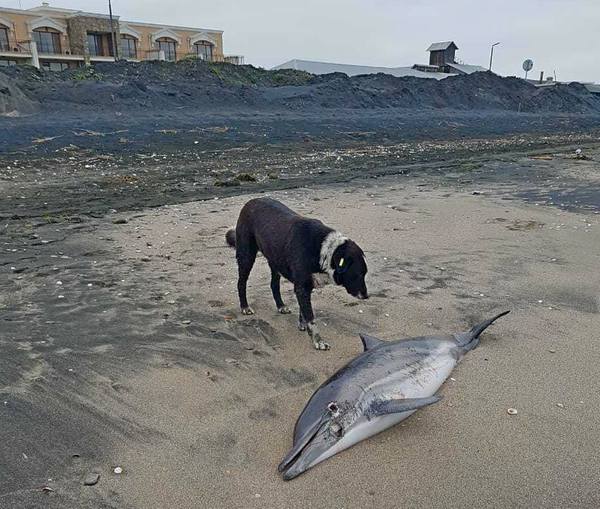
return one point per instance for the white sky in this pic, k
(559, 35)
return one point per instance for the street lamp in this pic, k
(492, 54)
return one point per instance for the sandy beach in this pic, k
(123, 346)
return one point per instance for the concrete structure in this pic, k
(444, 53)
(55, 38)
(354, 70)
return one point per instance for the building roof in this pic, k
(47, 10)
(467, 68)
(441, 46)
(593, 87)
(354, 70)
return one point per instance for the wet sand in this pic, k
(131, 351)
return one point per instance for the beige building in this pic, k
(55, 38)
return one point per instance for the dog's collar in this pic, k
(330, 244)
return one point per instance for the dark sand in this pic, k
(122, 345)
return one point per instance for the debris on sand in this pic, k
(91, 479)
(245, 177)
(227, 183)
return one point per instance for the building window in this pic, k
(47, 40)
(204, 50)
(128, 46)
(100, 45)
(4, 45)
(169, 46)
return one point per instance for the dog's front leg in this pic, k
(307, 317)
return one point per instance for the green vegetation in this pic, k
(87, 73)
(249, 75)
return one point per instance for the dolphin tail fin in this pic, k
(470, 340)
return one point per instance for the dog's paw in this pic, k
(320, 344)
(302, 326)
(247, 311)
(284, 310)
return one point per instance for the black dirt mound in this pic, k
(213, 87)
(13, 101)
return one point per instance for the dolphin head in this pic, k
(319, 441)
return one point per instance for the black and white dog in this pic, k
(297, 248)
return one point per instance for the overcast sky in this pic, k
(559, 35)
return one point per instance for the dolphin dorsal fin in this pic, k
(370, 342)
(396, 406)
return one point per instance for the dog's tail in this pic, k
(230, 238)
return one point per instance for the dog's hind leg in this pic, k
(246, 256)
(276, 289)
(303, 293)
(301, 321)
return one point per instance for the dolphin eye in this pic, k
(337, 430)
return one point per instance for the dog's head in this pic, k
(350, 268)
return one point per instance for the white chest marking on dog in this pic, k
(330, 244)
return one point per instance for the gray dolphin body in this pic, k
(384, 385)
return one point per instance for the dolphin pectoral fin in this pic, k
(396, 406)
(370, 342)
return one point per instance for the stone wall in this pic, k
(79, 26)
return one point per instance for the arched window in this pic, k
(4, 44)
(169, 46)
(47, 39)
(128, 46)
(204, 50)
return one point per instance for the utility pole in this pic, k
(492, 54)
(113, 36)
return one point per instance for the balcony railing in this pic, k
(11, 46)
(229, 59)
(18, 49)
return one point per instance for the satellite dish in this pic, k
(527, 66)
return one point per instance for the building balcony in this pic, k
(229, 59)
(15, 50)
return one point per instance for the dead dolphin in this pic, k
(384, 385)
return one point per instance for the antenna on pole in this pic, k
(527, 66)
(113, 35)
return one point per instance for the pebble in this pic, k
(91, 479)
(560, 405)
(186, 322)
(512, 411)
(118, 470)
